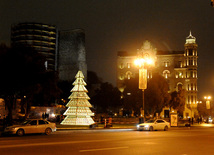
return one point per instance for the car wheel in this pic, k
(166, 128)
(20, 132)
(151, 128)
(48, 131)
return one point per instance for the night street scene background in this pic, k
(74, 63)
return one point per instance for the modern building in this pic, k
(179, 68)
(72, 54)
(64, 50)
(42, 37)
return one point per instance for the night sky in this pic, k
(113, 25)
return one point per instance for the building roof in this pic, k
(125, 53)
(169, 52)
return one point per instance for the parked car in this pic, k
(158, 124)
(31, 126)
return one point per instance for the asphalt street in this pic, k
(176, 141)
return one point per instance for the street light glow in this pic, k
(207, 97)
(140, 62)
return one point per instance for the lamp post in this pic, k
(208, 106)
(142, 64)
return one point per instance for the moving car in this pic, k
(158, 124)
(31, 126)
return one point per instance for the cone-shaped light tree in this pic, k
(78, 112)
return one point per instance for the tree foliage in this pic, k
(156, 95)
(106, 99)
(178, 100)
(23, 75)
(202, 110)
(132, 96)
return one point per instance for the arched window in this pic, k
(128, 75)
(121, 77)
(179, 86)
(166, 73)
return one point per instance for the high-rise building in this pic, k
(64, 50)
(42, 37)
(179, 68)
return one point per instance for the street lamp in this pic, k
(208, 98)
(143, 63)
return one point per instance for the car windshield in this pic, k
(150, 121)
(25, 122)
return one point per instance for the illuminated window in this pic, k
(149, 75)
(166, 64)
(180, 64)
(128, 75)
(179, 74)
(166, 73)
(121, 66)
(128, 65)
(46, 65)
(121, 77)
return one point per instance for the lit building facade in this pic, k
(179, 68)
(42, 37)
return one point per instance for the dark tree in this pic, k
(65, 88)
(107, 99)
(156, 95)
(177, 101)
(23, 76)
(132, 96)
(202, 110)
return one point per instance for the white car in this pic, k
(158, 124)
(31, 126)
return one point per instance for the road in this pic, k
(176, 141)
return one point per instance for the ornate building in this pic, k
(179, 68)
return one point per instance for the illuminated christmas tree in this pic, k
(78, 112)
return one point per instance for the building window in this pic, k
(190, 62)
(149, 75)
(166, 73)
(191, 86)
(128, 65)
(128, 75)
(121, 77)
(166, 64)
(121, 66)
(180, 64)
(191, 74)
(190, 52)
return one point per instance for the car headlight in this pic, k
(146, 126)
(138, 126)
